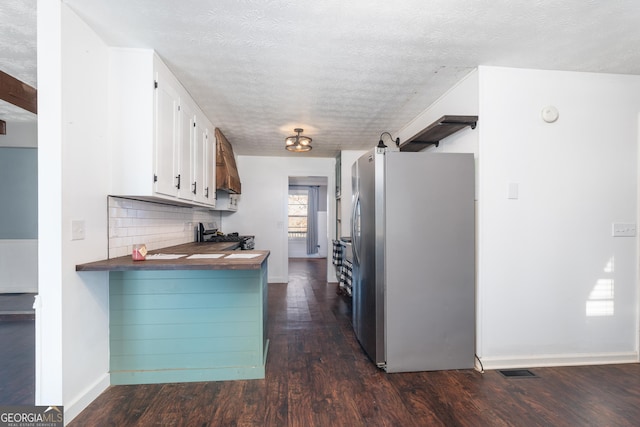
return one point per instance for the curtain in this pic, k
(312, 221)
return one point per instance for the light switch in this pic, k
(77, 230)
(512, 191)
(621, 229)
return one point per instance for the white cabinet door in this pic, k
(226, 201)
(210, 167)
(184, 172)
(198, 158)
(161, 139)
(166, 125)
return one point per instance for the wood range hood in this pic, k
(227, 178)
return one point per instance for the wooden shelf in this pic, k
(438, 130)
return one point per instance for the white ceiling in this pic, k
(18, 50)
(345, 71)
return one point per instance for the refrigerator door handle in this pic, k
(354, 235)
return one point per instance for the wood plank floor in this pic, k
(17, 362)
(317, 375)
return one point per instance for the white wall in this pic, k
(72, 331)
(49, 305)
(549, 268)
(21, 134)
(262, 209)
(18, 265)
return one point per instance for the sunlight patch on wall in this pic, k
(600, 302)
(609, 267)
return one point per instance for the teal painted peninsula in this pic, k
(194, 318)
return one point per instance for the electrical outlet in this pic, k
(77, 230)
(625, 229)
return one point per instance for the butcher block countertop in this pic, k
(232, 259)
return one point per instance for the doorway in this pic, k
(307, 230)
(18, 261)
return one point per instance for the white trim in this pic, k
(547, 360)
(78, 404)
(637, 347)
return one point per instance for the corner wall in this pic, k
(72, 330)
(554, 287)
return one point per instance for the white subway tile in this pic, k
(157, 225)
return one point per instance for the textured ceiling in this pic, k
(345, 71)
(18, 50)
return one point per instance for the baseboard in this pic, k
(233, 373)
(73, 409)
(549, 360)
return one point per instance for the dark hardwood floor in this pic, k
(317, 375)
(17, 362)
(17, 349)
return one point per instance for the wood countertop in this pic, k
(125, 263)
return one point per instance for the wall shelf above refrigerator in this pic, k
(438, 130)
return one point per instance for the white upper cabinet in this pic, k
(227, 201)
(204, 185)
(210, 166)
(198, 182)
(158, 133)
(166, 125)
(185, 149)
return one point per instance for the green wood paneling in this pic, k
(169, 331)
(137, 362)
(185, 345)
(184, 301)
(186, 325)
(200, 315)
(188, 375)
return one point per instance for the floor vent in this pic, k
(517, 373)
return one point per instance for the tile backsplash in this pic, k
(154, 224)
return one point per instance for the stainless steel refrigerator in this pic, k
(413, 235)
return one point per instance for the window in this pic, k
(298, 204)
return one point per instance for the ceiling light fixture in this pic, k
(298, 143)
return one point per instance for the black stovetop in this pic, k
(223, 238)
